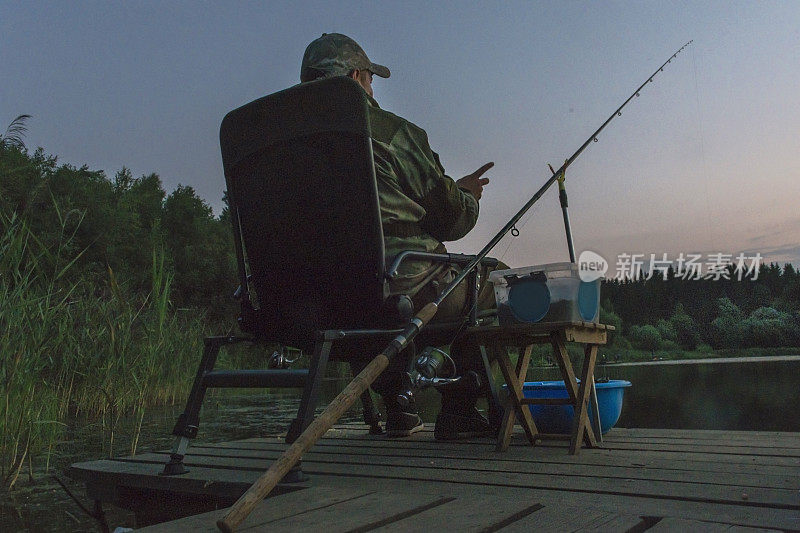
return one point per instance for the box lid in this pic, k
(550, 270)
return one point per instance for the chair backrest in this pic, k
(300, 177)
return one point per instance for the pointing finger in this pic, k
(484, 168)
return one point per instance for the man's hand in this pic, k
(474, 183)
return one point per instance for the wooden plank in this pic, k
(681, 525)
(557, 518)
(551, 451)
(425, 442)
(525, 334)
(584, 335)
(536, 328)
(474, 512)
(745, 515)
(624, 465)
(661, 436)
(787, 498)
(224, 483)
(744, 529)
(736, 477)
(360, 514)
(280, 507)
(766, 439)
(717, 450)
(739, 443)
(469, 512)
(616, 522)
(743, 482)
(642, 506)
(704, 433)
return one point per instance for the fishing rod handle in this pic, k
(320, 425)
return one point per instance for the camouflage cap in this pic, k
(335, 54)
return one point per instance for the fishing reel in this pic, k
(435, 368)
(282, 359)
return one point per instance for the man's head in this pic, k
(335, 54)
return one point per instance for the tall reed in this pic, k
(69, 347)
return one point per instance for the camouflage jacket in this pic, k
(420, 205)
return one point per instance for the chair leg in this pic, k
(188, 422)
(308, 403)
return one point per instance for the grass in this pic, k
(70, 347)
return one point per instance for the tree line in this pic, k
(670, 312)
(117, 223)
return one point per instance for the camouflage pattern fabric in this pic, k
(334, 54)
(420, 205)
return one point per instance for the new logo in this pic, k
(591, 266)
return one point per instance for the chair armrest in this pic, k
(453, 259)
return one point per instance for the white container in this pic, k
(545, 293)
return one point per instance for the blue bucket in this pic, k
(558, 418)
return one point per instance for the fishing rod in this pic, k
(320, 425)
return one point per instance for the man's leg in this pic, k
(401, 411)
(459, 416)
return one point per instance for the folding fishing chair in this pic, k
(309, 243)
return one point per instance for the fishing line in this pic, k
(515, 234)
(483, 279)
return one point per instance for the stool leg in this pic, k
(565, 365)
(570, 381)
(515, 398)
(507, 423)
(581, 429)
(596, 425)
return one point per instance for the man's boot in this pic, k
(459, 418)
(402, 419)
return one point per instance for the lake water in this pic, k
(754, 393)
(736, 394)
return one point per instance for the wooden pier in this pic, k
(641, 480)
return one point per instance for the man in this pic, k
(420, 208)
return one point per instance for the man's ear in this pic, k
(354, 74)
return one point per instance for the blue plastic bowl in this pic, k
(558, 418)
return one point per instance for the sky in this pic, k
(706, 160)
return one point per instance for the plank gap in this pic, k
(400, 516)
